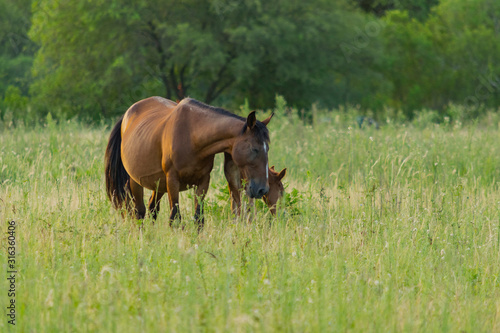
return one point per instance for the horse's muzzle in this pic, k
(257, 192)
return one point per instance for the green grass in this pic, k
(393, 230)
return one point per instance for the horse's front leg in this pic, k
(233, 178)
(173, 186)
(201, 191)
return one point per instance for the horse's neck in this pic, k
(217, 133)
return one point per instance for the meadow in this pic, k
(390, 230)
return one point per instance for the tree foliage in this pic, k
(16, 53)
(108, 54)
(94, 58)
(452, 57)
(418, 9)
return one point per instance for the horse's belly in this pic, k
(158, 182)
(195, 173)
(155, 182)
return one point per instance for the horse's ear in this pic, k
(251, 120)
(272, 167)
(268, 119)
(282, 174)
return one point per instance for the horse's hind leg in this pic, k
(201, 191)
(154, 203)
(173, 187)
(138, 199)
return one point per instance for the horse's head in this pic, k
(249, 152)
(276, 189)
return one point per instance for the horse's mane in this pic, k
(260, 130)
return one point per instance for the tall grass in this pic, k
(393, 230)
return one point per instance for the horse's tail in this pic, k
(117, 178)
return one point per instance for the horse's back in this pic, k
(142, 131)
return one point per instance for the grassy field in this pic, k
(390, 230)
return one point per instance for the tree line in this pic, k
(95, 58)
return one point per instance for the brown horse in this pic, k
(168, 147)
(276, 189)
(236, 177)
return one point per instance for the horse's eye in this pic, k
(255, 150)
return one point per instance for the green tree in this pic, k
(467, 33)
(316, 51)
(16, 51)
(98, 57)
(411, 63)
(418, 9)
(452, 57)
